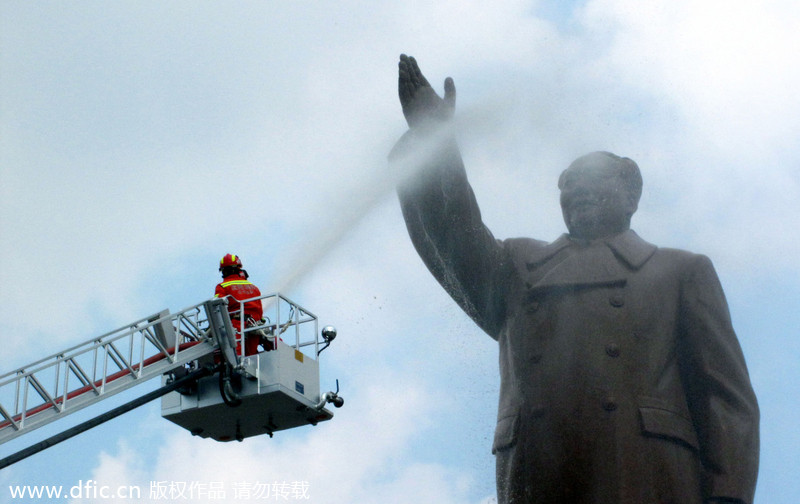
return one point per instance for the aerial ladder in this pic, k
(208, 385)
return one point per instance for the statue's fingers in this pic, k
(407, 92)
(413, 71)
(404, 65)
(402, 81)
(450, 94)
(405, 79)
(407, 75)
(417, 78)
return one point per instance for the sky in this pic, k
(140, 141)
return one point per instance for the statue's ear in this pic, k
(632, 204)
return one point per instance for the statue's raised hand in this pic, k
(421, 105)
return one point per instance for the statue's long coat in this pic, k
(622, 381)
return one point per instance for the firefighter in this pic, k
(236, 285)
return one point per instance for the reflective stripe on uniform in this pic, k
(236, 282)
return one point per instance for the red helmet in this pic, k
(230, 260)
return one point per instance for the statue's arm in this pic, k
(439, 206)
(721, 398)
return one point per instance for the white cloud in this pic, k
(362, 455)
(725, 71)
(141, 142)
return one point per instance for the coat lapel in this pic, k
(631, 249)
(564, 263)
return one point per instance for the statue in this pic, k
(622, 380)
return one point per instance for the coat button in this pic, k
(616, 300)
(533, 306)
(609, 404)
(535, 358)
(612, 350)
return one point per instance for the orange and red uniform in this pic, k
(239, 288)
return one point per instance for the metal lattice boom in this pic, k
(85, 374)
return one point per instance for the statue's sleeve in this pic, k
(721, 398)
(445, 226)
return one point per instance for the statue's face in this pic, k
(594, 200)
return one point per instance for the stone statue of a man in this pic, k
(622, 380)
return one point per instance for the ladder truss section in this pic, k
(87, 373)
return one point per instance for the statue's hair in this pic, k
(627, 170)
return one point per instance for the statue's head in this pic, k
(599, 193)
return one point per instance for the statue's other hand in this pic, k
(421, 105)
